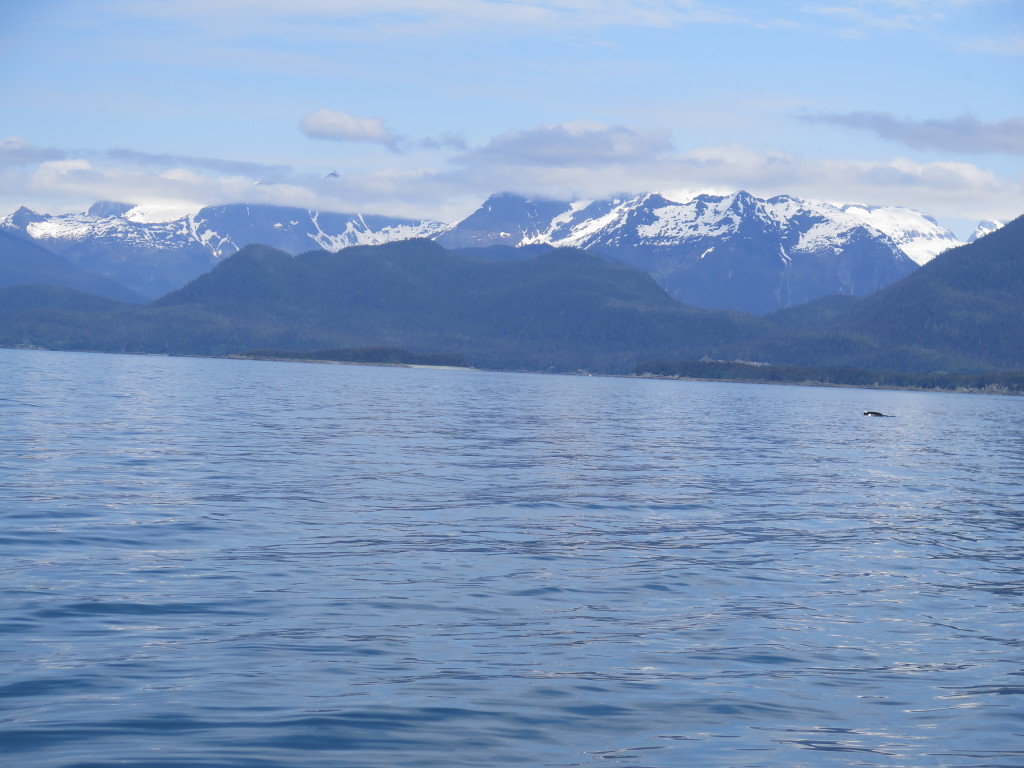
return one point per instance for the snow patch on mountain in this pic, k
(918, 235)
(219, 231)
(67, 229)
(703, 216)
(654, 221)
(358, 231)
(161, 213)
(985, 227)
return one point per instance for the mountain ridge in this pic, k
(563, 309)
(675, 242)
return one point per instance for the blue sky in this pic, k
(426, 108)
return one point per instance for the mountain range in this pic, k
(153, 257)
(717, 252)
(563, 309)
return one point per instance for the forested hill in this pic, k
(967, 302)
(562, 310)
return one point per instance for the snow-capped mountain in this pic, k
(719, 251)
(917, 235)
(153, 256)
(985, 226)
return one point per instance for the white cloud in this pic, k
(63, 171)
(341, 126)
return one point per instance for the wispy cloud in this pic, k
(17, 151)
(861, 18)
(1000, 45)
(571, 144)
(406, 15)
(444, 141)
(340, 126)
(871, 16)
(235, 167)
(964, 134)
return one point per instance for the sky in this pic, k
(424, 109)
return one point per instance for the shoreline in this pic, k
(835, 385)
(988, 390)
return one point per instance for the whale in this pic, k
(877, 413)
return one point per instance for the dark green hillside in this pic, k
(814, 314)
(966, 304)
(23, 262)
(56, 317)
(62, 318)
(504, 252)
(561, 310)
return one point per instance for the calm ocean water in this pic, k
(251, 564)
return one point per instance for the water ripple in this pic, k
(227, 563)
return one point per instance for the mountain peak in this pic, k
(741, 200)
(653, 200)
(503, 219)
(22, 217)
(107, 209)
(985, 227)
(504, 198)
(502, 202)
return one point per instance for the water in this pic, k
(230, 563)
